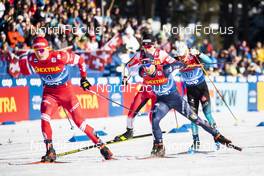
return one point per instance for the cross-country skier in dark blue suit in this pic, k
(160, 79)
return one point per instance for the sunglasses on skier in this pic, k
(40, 51)
(146, 63)
(147, 46)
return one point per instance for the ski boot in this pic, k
(104, 150)
(196, 144)
(217, 144)
(50, 153)
(127, 135)
(158, 149)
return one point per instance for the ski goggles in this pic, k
(146, 63)
(40, 50)
(147, 46)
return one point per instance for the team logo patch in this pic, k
(53, 60)
(35, 60)
(49, 77)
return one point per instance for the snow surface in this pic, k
(22, 143)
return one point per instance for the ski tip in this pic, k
(235, 147)
(238, 148)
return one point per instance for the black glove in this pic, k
(124, 81)
(85, 84)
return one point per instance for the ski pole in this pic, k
(72, 127)
(177, 124)
(206, 74)
(109, 99)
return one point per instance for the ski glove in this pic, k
(85, 84)
(194, 52)
(124, 81)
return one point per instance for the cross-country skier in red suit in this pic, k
(51, 66)
(145, 93)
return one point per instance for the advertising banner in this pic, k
(235, 95)
(116, 94)
(14, 105)
(35, 97)
(260, 100)
(252, 97)
(93, 105)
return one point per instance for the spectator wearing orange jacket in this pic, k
(14, 37)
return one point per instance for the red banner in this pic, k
(93, 106)
(14, 105)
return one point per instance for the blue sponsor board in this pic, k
(116, 95)
(6, 82)
(3, 68)
(35, 97)
(252, 97)
(234, 94)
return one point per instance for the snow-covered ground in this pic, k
(22, 143)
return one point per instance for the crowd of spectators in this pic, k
(81, 24)
(238, 60)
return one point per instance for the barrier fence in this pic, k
(20, 99)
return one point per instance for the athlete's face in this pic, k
(149, 68)
(184, 58)
(148, 48)
(42, 53)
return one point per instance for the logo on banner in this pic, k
(117, 98)
(7, 105)
(14, 104)
(7, 82)
(36, 102)
(88, 101)
(229, 96)
(252, 96)
(21, 82)
(35, 82)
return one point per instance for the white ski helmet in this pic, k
(181, 48)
